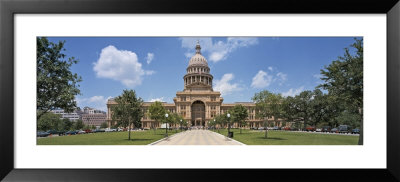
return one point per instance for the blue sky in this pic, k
(154, 66)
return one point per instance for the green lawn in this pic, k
(107, 138)
(254, 137)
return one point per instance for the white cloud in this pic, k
(161, 99)
(149, 57)
(282, 77)
(292, 92)
(270, 68)
(261, 80)
(96, 99)
(224, 86)
(219, 50)
(120, 65)
(97, 102)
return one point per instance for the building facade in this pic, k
(94, 119)
(73, 116)
(198, 103)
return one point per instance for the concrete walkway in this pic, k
(198, 137)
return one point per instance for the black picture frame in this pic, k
(9, 8)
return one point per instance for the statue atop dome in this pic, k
(198, 48)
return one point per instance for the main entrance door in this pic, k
(198, 113)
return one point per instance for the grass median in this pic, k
(107, 138)
(255, 137)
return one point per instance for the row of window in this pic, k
(196, 70)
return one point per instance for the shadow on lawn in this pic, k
(271, 138)
(138, 139)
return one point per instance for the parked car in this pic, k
(355, 131)
(275, 128)
(80, 132)
(326, 129)
(310, 128)
(42, 134)
(55, 132)
(88, 131)
(98, 130)
(318, 130)
(287, 128)
(261, 128)
(334, 130)
(344, 129)
(71, 133)
(110, 130)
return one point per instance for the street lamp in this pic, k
(181, 124)
(215, 125)
(166, 128)
(229, 126)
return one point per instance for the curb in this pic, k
(162, 139)
(228, 138)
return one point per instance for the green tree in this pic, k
(104, 125)
(221, 121)
(239, 115)
(183, 123)
(319, 106)
(350, 118)
(268, 105)
(344, 78)
(156, 112)
(56, 84)
(128, 110)
(304, 109)
(49, 121)
(169, 121)
(78, 124)
(290, 110)
(86, 127)
(177, 120)
(67, 124)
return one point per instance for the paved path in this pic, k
(198, 137)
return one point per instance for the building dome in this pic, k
(198, 59)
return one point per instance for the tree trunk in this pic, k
(154, 127)
(266, 129)
(266, 133)
(129, 132)
(360, 138)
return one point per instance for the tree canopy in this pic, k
(56, 84)
(239, 114)
(269, 105)
(128, 110)
(343, 78)
(157, 112)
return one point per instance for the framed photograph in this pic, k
(200, 80)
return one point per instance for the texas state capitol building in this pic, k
(198, 103)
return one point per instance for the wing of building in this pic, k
(198, 103)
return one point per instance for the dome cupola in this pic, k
(198, 75)
(198, 59)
